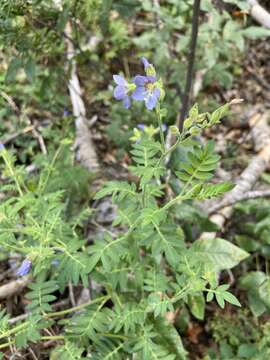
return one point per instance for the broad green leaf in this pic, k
(247, 351)
(219, 252)
(252, 282)
(231, 298)
(30, 69)
(264, 293)
(13, 68)
(209, 296)
(197, 306)
(256, 305)
(256, 32)
(220, 300)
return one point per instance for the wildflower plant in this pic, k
(147, 272)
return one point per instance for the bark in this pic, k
(84, 145)
(245, 196)
(259, 13)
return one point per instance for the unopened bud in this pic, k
(174, 130)
(187, 123)
(150, 70)
(194, 130)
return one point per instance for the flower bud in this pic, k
(174, 130)
(194, 130)
(187, 123)
(150, 70)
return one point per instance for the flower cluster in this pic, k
(142, 88)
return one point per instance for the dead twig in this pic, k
(55, 306)
(260, 132)
(71, 294)
(13, 136)
(13, 287)
(256, 194)
(86, 153)
(259, 13)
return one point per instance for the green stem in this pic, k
(114, 336)
(14, 330)
(76, 308)
(53, 337)
(180, 293)
(6, 344)
(11, 170)
(179, 140)
(160, 129)
(50, 168)
(176, 199)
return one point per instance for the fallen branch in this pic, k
(256, 194)
(13, 136)
(260, 132)
(86, 153)
(13, 287)
(259, 13)
(22, 317)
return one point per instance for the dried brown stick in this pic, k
(256, 194)
(21, 317)
(260, 133)
(13, 136)
(13, 287)
(259, 13)
(86, 153)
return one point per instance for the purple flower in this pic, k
(141, 126)
(66, 113)
(2, 147)
(24, 268)
(146, 91)
(146, 63)
(121, 90)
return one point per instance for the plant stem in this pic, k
(53, 337)
(113, 336)
(43, 185)
(8, 163)
(14, 330)
(6, 344)
(191, 60)
(160, 129)
(76, 308)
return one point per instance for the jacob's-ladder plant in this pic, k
(147, 272)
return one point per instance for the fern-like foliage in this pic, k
(201, 162)
(146, 269)
(41, 295)
(147, 164)
(68, 351)
(87, 325)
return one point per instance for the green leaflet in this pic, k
(199, 165)
(41, 295)
(219, 253)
